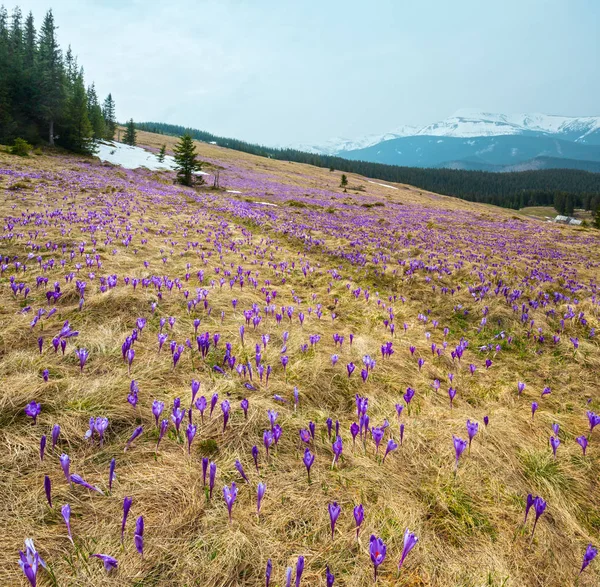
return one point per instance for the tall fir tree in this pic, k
(130, 136)
(110, 119)
(162, 153)
(5, 102)
(51, 76)
(185, 160)
(79, 131)
(95, 114)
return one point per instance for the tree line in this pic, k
(43, 96)
(510, 190)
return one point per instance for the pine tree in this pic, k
(597, 217)
(79, 131)
(185, 159)
(162, 153)
(110, 119)
(5, 102)
(95, 114)
(130, 137)
(344, 181)
(51, 76)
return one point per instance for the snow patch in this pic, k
(134, 157)
(233, 192)
(385, 185)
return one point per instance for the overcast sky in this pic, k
(281, 71)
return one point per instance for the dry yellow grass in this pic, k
(469, 527)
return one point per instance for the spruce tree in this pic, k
(343, 181)
(162, 153)
(79, 131)
(597, 217)
(110, 119)
(185, 159)
(51, 76)
(5, 101)
(95, 114)
(130, 137)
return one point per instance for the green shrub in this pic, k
(21, 148)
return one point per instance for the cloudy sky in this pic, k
(304, 71)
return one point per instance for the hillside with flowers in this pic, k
(273, 380)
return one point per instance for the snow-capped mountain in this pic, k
(471, 139)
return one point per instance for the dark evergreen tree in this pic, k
(559, 203)
(343, 181)
(51, 76)
(130, 136)
(5, 101)
(162, 153)
(95, 114)
(185, 159)
(78, 129)
(110, 119)
(597, 217)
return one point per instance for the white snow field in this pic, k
(134, 157)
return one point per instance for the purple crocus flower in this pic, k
(520, 387)
(299, 570)
(334, 512)
(157, 409)
(472, 429)
(230, 495)
(308, 460)
(589, 555)
(135, 434)
(241, 471)
(534, 407)
(110, 563)
(33, 409)
(312, 428)
(111, 473)
(126, 507)
(201, 406)
(164, 424)
(528, 506)
(190, 433)
(78, 480)
(377, 550)
(82, 355)
(459, 448)
(410, 541)
(66, 514)
(255, 456)
(554, 443)
(359, 516)
(329, 577)
(225, 407)
(583, 442)
(451, 394)
(65, 463)
(267, 440)
(288, 577)
(244, 406)
(138, 536)
(46, 375)
(55, 435)
(354, 430)
(177, 417)
(268, 573)
(260, 493)
(391, 446)
(594, 420)
(401, 434)
(337, 447)
(42, 446)
(539, 505)
(486, 420)
(377, 434)
(213, 402)
(350, 368)
(212, 474)
(48, 489)
(30, 561)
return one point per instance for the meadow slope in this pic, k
(429, 294)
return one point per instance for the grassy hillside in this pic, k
(467, 297)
